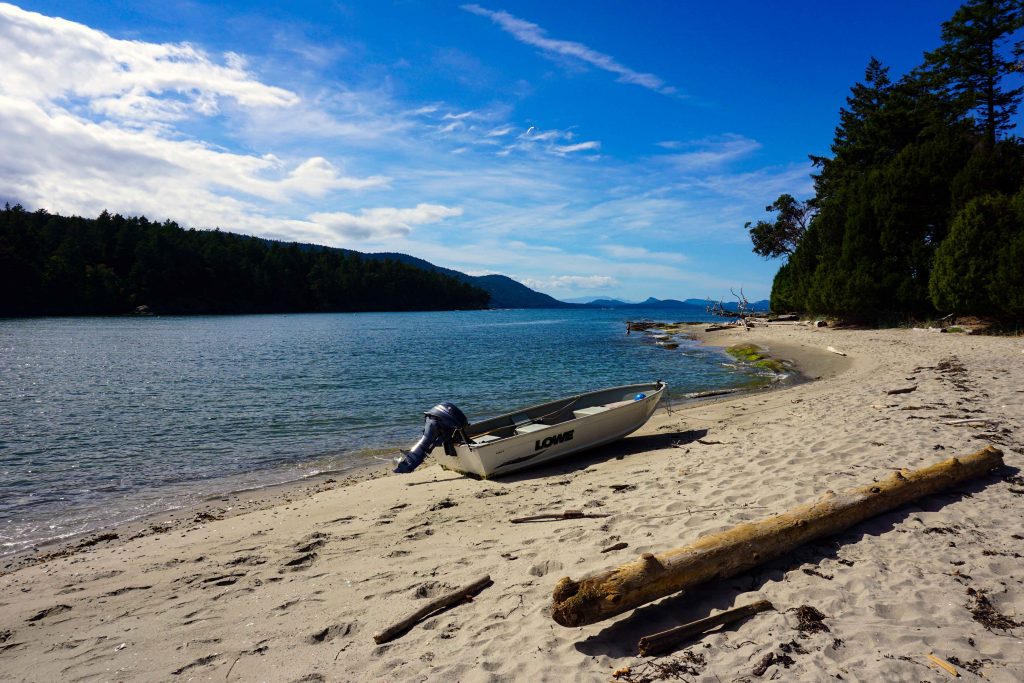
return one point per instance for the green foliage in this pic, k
(979, 268)
(747, 352)
(912, 207)
(969, 66)
(56, 265)
(772, 240)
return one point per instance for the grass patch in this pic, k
(773, 364)
(750, 353)
(756, 356)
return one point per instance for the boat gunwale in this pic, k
(504, 441)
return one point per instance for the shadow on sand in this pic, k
(617, 450)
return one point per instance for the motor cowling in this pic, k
(441, 423)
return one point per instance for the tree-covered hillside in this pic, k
(920, 207)
(57, 265)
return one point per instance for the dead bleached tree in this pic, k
(741, 313)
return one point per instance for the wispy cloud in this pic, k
(578, 147)
(384, 222)
(571, 283)
(710, 153)
(534, 35)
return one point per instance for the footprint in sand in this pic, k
(49, 612)
(299, 563)
(545, 567)
(333, 631)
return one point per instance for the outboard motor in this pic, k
(442, 421)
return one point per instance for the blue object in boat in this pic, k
(639, 397)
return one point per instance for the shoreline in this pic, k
(231, 503)
(294, 590)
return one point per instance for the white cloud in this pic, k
(572, 282)
(534, 35)
(578, 147)
(382, 222)
(459, 117)
(87, 124)
(709, 154)
(48, 59)
(625, 252)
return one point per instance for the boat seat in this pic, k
(594, 410)
(619, 404)
(485, 438)
(530, 427)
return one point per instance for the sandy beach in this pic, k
(295, 591)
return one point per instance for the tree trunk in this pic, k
(736, 550)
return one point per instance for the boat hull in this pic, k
(596, 419)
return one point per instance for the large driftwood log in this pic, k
(736, 550)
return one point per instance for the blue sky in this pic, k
(611, 149)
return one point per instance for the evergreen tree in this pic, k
(973, 60)
(912, 206)
(55, 265)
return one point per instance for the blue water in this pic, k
(106, 419)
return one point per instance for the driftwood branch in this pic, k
(556, 516)
(733, 551)
(835, 351)
(666, 641)
(392, 632)
(902, 390)
(709, 394)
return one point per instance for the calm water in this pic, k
(106, 419)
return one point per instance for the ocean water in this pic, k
(103, 420)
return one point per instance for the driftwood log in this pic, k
(727, 553)
(395, 630)
(666, 641)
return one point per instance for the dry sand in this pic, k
(296, 591)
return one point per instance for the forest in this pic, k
(919, 210)
(60, 265)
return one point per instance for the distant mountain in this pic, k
(650, 302)
(591, 299)
(505, 292)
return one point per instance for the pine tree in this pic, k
(975, 57)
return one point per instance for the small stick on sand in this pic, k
(555, 516)
(835, 351)
(972, 420)
(903, 390)
(617, 546)
(392, 632)
(949, 668)
(658, 643)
